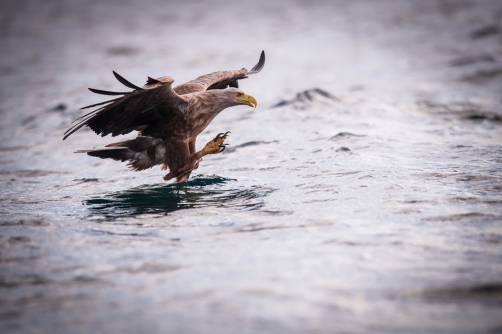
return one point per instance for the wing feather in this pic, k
(97, 104)
(105, 92)
(125, 82)
(219, 80)
(259, 66)
(155, 111)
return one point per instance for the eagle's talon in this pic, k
(218, 136)
(221, 135)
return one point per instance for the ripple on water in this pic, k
(344, 136)
(24, 222)
(199, 192)
(490, 292)
(474, 217)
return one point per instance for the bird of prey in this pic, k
(168, 120)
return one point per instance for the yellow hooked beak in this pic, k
(248, 100)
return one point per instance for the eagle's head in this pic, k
(235, 96)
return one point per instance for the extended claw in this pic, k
(223, 147)
(221, 135)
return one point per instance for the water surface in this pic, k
(362, 196)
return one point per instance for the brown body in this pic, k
(168, 119)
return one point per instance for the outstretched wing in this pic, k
(219, 80)
(156, 112)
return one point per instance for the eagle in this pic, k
(168, 120)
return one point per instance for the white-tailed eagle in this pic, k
(168, 119)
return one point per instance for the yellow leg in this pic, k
(214, 146)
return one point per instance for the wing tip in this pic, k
(259, 66)
(125, 82)
(105, 92)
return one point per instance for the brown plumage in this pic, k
(168, 119)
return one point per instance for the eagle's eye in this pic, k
(239, 94)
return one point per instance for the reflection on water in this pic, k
(201, 191)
